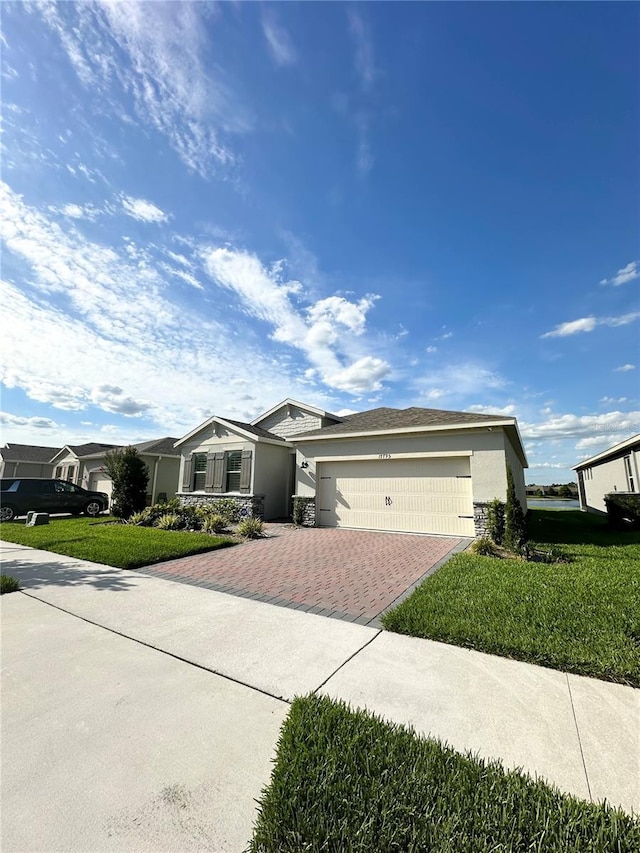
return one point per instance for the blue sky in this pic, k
(209, 208)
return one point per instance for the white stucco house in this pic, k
(84, 465)
(413, 470)
(614, 470)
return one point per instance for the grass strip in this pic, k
(345, 780)
(581, 617)
(124, 546)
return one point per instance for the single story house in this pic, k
(28, 460)
(413, 470)
(614, 470)
(84, 465)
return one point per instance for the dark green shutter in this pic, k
(218, 472)
(245, 471)
(208, 480)
(186, 475)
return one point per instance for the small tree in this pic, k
(564, 491)
(495, 521)
(130, 478)
(515, 528)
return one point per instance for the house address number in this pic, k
(384, 456)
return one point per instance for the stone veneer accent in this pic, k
(480, 512)
(251, 506)
(309, 511)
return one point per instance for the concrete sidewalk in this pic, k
(150, 740)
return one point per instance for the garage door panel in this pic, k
(403, 495)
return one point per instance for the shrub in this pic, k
(8, 584)
(623, 511)
(145, 518)
(297, 514)
(213, 523)
(228, 508)
(484, 547)
(250, 528)
(515, 523)
(130, 478)
(169, 521)
(495, 521)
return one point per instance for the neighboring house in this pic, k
(27, 460)
(413, 470)
(84, 465)
(613, 470)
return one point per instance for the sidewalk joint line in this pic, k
(575, 720)
(160, 651)
(345, 662)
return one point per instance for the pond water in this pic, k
(551, 503)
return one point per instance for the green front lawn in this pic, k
(346, 781)
(582, 616)
(124, 546)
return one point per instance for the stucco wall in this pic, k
(488, 470)
(271, 478)
(167, 478)
(286, 424)
(609, 476)
(25, 469)
(214, 438)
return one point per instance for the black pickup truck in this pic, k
(20, 495)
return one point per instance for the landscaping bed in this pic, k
(581, 616)
(346, 781)
(106, 541)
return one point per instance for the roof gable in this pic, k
(253, 433)
(158, 446)
(321, 413)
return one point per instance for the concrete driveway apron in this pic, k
(347, 574)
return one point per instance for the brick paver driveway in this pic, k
(349, 574)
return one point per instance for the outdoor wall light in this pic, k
(304, 465)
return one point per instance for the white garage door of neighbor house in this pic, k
(407, 495)
(99, 482)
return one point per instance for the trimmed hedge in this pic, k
(623, 511)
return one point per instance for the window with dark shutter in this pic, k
(199, 471)
(186, 475)
(245, 471)
(234, 465)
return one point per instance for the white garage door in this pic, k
(409, 495)
(99, 482)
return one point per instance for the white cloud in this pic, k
(364, 374)
(431, 349)
(623, 276)
(156, 61)
(326, 332)
(143, 211)
(588, 324)
(278, 40)
(78, 211)
(110, 398)
(507, 411)
(8, 419)
(608, 400)
(579, 426)
(624, 368)
(460, 379)
(364, 56)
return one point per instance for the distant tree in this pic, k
(130, 478)
(515, 523)
(564, 491)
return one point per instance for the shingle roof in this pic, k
(384, 418)
(261, 433)
(163, 446)
(28, 453)
(90, 448)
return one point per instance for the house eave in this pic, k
(609, 454)
(290, 402)
(257, 439)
